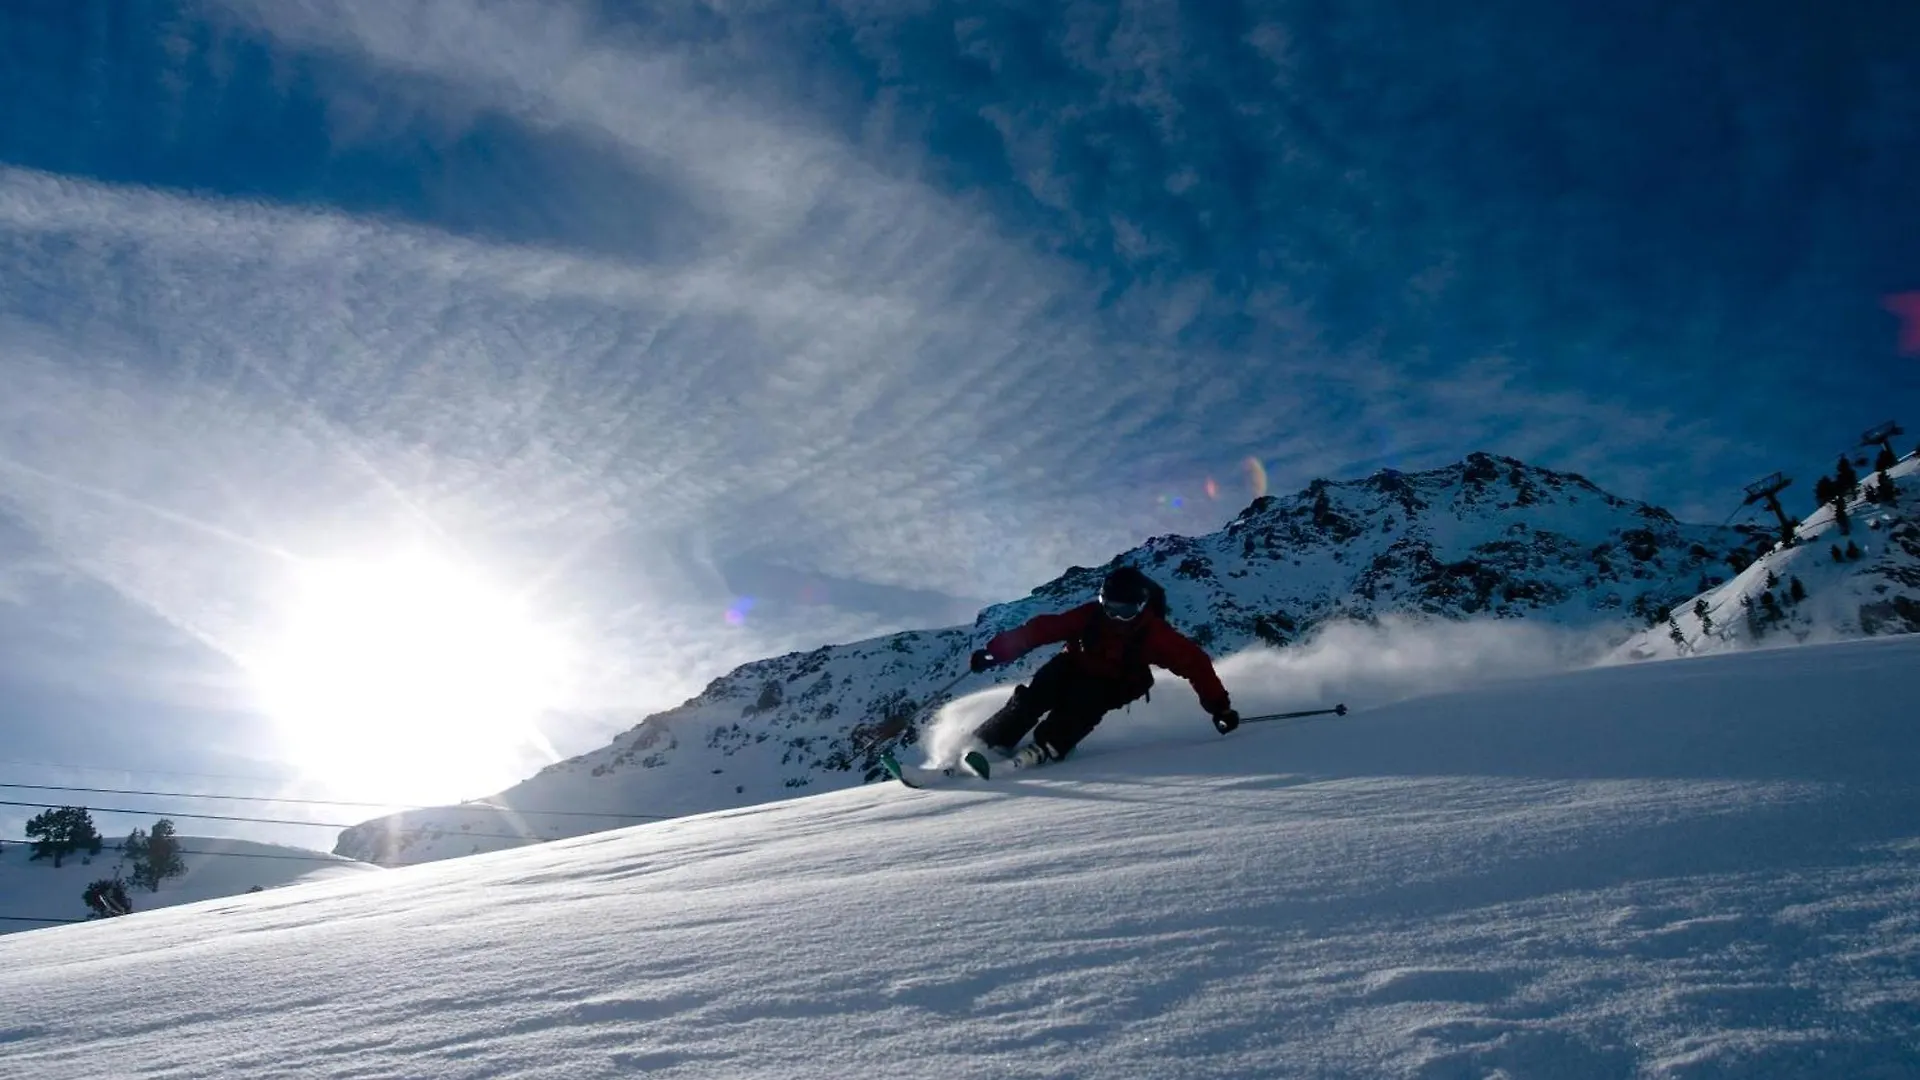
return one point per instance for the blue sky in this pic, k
(707, 331)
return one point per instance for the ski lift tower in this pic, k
(1767, 489)
(1882, 436)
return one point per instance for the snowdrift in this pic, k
(1691, 869)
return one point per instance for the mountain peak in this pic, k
(1488, 536)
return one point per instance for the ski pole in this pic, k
(942, 692)
(889, 728)
(1337, 710)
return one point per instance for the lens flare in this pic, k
(1906, 306)
(1213, 489)
(1256, 476)
(737, 611)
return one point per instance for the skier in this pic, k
(1110, 643)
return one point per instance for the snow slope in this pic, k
(1875, 592)
(1487, 537)
(1707, 868)
(214, 867)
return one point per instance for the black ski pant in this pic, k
(1071, 701)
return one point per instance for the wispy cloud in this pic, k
(877, 316)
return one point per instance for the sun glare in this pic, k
(408, 678)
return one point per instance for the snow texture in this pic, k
(1707, 868)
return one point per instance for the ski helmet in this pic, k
(1124, 593)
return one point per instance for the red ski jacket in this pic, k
(1107, 648)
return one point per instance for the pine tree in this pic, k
(107, 898)
(62, 832)
(1772, 581)
(1889, 494)
(1822, 492)
(1886, 459)
(1838, 555)
(1796, 591)
(1679, 639)
(1840, 517)
(163, 851)
(1844, 477)
(1853, 550)
(155, 857)
(1706, 618)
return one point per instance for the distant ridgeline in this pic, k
(1487, 537)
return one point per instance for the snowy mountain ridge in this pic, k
(1486, 537)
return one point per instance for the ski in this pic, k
(914, 776)
(973, 765)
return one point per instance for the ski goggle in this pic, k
(1123, 610)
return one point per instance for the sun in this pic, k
(408, 678)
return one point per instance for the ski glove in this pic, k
(1225, 720)
(981, 661)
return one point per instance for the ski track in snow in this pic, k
(1697, 869)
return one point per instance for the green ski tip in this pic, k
(976, 763)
